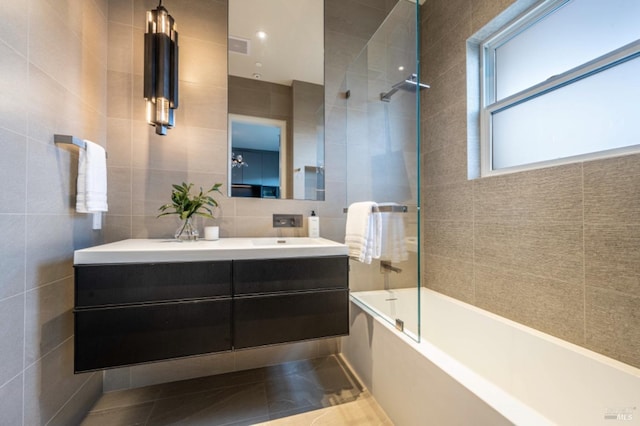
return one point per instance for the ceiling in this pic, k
(294, 46)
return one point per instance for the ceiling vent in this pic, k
(239, 45)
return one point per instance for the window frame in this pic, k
(488, 105)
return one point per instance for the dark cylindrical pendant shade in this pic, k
(174, 74)
(161, 69)
(149, 65)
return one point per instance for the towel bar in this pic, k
(386, 209)
(71, 140)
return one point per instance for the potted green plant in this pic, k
(186, 205)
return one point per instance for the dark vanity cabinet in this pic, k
(286, 300)
(135, 313)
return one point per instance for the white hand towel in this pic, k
(363, 231)
(393, 246)
(91, 194)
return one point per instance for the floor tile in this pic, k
(319, 391)
(124, 416)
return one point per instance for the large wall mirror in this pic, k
(276, 99)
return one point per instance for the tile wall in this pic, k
(54, 59)
(556, 249)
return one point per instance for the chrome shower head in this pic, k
(409, 84)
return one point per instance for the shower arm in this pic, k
(408, 84)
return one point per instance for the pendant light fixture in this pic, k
(161, 69)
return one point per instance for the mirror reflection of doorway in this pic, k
(258, 157)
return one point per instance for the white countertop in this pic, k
(167, 250)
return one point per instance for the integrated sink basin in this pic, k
(166, 250)
(296, 241)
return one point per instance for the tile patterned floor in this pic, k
(312, 392)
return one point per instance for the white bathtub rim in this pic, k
(610, 362)
(508, 406)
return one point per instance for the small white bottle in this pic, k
(313, 223)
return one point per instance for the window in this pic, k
(561, 83)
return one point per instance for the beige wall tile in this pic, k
(448, 202)
(80, 403)
(49, 318)
(446, 165)
(15, 104)
(447, 51)
(117, 378)
(203, 106)
(351, 17)
(341, 48)
(49, 383)
(119, 89)
(117, 228)
(451, 85)
(119, 187)
(12, 261)
(13, 164)
(450, 239)
(452, 277)
(549, 250)
(121, 12)
(93, 87)
(333, 228)
(11, 401)
(613, 324)
(200, 61)
(611, 190)
(45, 109)
(95, 30)
(51, 179)
(551, 306)
(545, 195)
(14, 31)
(55, 45)
(483, 12)
(67, 10)
(50, 248)
(119, 142)
(12, 337)
(120, 47)
(612, 257)
(442, 16)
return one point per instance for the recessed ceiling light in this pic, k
(258, 64)
(400, 68)
(261, 35)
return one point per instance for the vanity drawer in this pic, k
(118, 336)
(265, 320)
(263, 276)
(115, 284)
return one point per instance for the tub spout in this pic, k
(385, 267)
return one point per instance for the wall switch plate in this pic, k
(287, 220)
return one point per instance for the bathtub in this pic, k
(476, 368)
